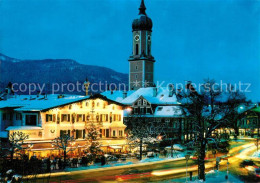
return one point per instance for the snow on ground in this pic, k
(211, 177)
(256, 154)
(128, 162)
(98, 165)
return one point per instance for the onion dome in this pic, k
(143, 22)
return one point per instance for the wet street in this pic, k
(166, 170)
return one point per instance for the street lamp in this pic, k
(227, 169)
(187, 157)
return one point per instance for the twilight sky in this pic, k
(192, 39)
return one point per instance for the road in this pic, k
(166, 170)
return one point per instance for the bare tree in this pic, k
(206, 110)
(141, 130)
(66, 143)
(16, 141)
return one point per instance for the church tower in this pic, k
(141, 62)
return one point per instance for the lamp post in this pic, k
(187, 158)
(227, 169)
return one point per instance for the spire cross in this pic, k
(142, 8)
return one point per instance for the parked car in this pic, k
(150, 154)
(123, 157)
(111, 157)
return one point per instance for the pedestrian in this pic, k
(103, 160)
(54, 163)
(48, 162)
(60, 164)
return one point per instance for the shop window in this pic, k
(79, 134)
(64, 132)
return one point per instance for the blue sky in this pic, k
(192, 39)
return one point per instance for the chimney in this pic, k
(155, 91)
(124, 94)
(171, 90)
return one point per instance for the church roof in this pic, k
(161, 98)
(143, 22)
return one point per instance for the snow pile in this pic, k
(256, 154)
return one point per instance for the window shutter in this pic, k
(54, 117)
(77, 117)
(69, 132)
(83, 117)
(47, 118)
(84, 131)
(68, 117)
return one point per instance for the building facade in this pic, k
(45, 118)
(158, 107)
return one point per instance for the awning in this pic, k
(16, 128)
(115, 147)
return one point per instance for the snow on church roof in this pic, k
(162, 96)
(34, 103)
(116, 95)
(168, 111)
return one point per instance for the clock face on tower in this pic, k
(137, 37)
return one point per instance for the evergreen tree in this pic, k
(92, 138)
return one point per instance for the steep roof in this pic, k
(116, 95)
(34, 103)
(162, 97)
(41, 103)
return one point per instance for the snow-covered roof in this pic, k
(168, 111)
(3, 134)
(116, 95)
(10, 128)
(162, 96)
(34, 103)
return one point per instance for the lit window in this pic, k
(114, 133)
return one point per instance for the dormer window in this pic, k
(139, 102)
(159, 109)
(144, 102)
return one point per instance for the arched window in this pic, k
(137, 49)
